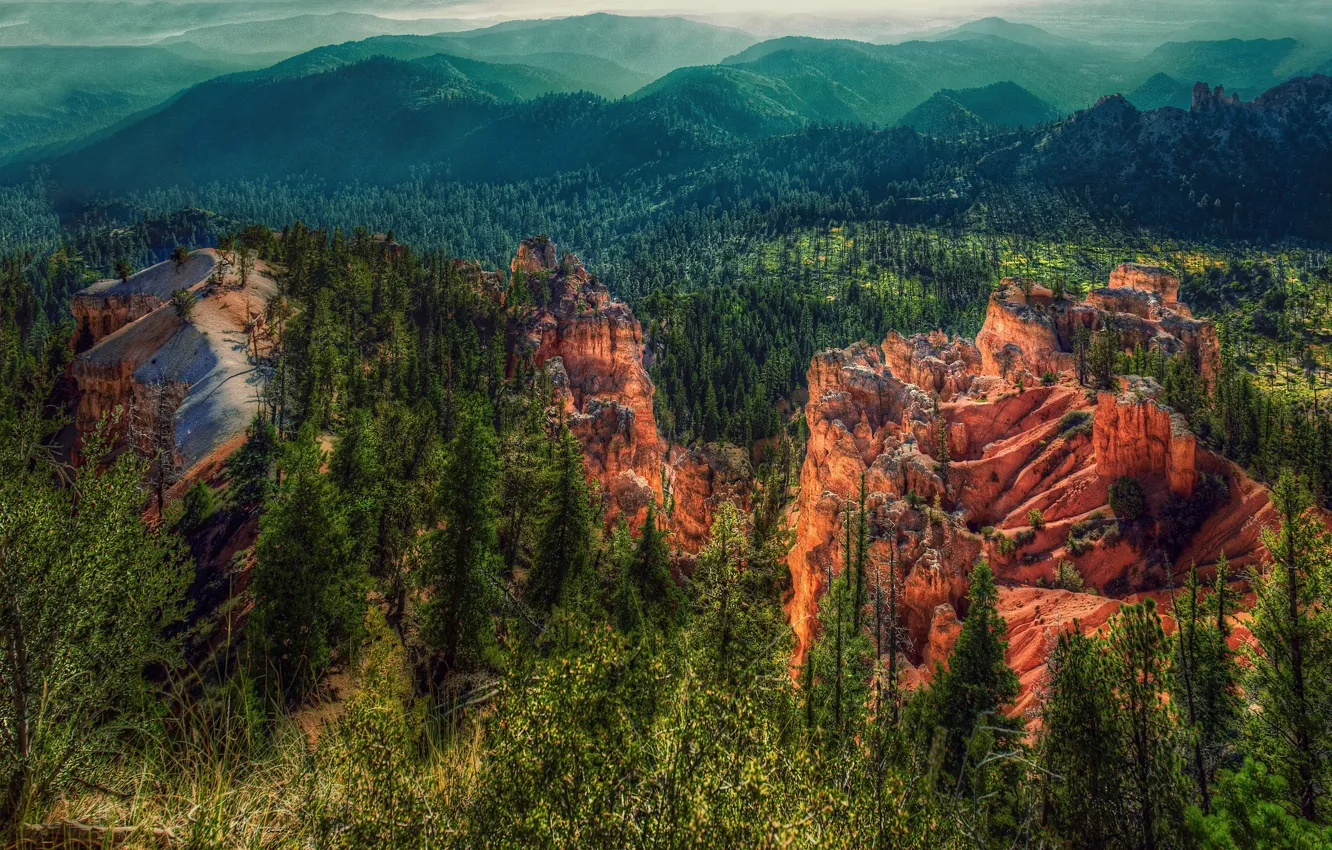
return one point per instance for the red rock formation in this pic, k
(1135, 436)
(109, 305)
(1146, 278)
(701, 480)
(944, 628)
(595, 348)
(1029, 333)
(1029, 464)
(1035, 618)
(172, 378)
(1023, 337)
(933, 362)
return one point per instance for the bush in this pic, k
(1127, 499)
(1067, 577)
(1005, 544)
(1025, 537)
(183, 301)
(1035, 518)
(1075, 422)
(1096, 527)
(1048, 378)
(197, 506)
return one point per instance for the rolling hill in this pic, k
(56, 94)
(1160, 90)
(886, 81)
(647, 45)
(1248, 66)
(1003, 105)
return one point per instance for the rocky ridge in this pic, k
(185, 381)
(992, 449)
(592, 346)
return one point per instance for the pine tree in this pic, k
(842, 664)
(737, 625)
(458, 568)
(1081, 747)
(563, 556)
(1206, 678)
(649, 573)
(1291, 676)
(1152, 784)
(309, 592)
(978, 683)
(1102, 356)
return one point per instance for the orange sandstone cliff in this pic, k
(965, 452)
(593, 348)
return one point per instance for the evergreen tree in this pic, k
(842, 664)
(459, 562)
(356, 470)
(737, 626)
(1206, 680)
(560, 572)
(1291, 674)
(649, 574)
(1153, 795)
(1081, 747)
(1102, 357)
(977, 684)
(309, 591)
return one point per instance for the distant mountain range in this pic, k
(952, 112)
(637, 95)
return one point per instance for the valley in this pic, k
(468, 425)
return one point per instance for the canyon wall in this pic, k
(593, 348)
(994, 450)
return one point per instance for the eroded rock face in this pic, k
(184, 383)
(1135, 436)
(1026, 476)
(1148, 279)
(1028, 333)
(933, 362)
(595, 348)
(1025, 336)
(701, 481)
(109, 305)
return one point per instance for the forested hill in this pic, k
(726, 132)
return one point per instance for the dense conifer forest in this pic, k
(515, 672)
(398, 611)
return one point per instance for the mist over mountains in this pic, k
(642, 98)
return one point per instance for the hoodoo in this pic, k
(593, 348)
(995, 450)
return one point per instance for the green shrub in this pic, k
(1075, 422)
(1067, 577)
(1035, 519)
(1048, 378)
(1025, 537)
(1127, 499)
(1095, 528)
(197, 506)
(1005, 544)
